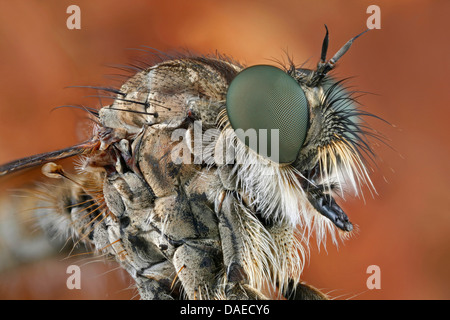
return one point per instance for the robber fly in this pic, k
(172, 186)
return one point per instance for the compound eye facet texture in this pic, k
(266, 97)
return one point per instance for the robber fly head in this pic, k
(320, 137)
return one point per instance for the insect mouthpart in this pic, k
(327, 206)
(322, 200)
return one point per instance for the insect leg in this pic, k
(138, 252)
(301, 291)
(231, 229)
(156, 282)
(197, 263)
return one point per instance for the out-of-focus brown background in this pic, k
(405, 229)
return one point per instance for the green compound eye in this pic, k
(266, 97)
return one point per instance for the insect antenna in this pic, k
(323, 55)
(343, 50)
(323, 67)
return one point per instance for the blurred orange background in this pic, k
(404, 229)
